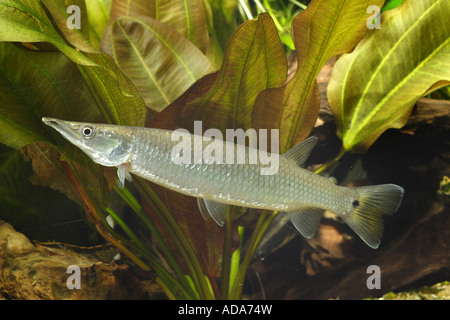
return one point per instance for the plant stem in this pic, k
(97, 213)
(171, 285)
(226, 259)
(271, 13)
(182, 243)
(125, 228)
(246, 9)
(298, 4)
(330, 163)
(165, 276)
(166, 290)
(136, 207)
(258, 232)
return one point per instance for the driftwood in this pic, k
(32, 272)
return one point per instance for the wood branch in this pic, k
(32, 272)
(426, 110)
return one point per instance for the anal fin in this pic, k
(218, 211)
(306, 220)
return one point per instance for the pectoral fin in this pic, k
(306, 220)
(123, 174)
(217, 211)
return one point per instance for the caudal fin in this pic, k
(373, 202)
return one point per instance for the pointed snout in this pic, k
(68, 129)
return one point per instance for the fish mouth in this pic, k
(67, 129)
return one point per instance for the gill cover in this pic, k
(108, 145)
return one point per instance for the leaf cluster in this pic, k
(167, 63)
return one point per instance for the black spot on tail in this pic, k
(355, 203)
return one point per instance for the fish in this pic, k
(302, 194)
(277, 234)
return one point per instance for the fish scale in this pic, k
(147, 153)
(227, 182)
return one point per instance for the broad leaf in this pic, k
(186, 17)
(376, 86)
(79, 38)
(36, 84)
(223, 16)
(27, 21)
(160, 61)
(169, 118)
(323, 30)
(254, 60)
(116, 96)
(98, 16)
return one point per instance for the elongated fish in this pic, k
(149, 153)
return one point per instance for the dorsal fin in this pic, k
(301, 151)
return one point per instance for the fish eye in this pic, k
(88, 132)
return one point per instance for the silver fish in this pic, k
(148, 153)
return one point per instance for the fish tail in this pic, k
(373, 202)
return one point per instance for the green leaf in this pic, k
(79, 38)
(391, 4)
(27, 21)
(116, 96)
(160, 62)
(186, 17)
(222, 22)
(323, 30)
(98, 16)
(236, 256)
(254, 60)
(36, 84)
(375, 87)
